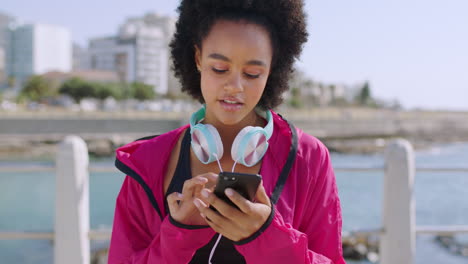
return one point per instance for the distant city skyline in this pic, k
(36, 49)
(412, 51)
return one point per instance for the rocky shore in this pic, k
(357, 247)
(26, 147)
(453, 245)
(35, 135)
(44, 147)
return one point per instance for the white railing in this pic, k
(72, 233)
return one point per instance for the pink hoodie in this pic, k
(305, 225)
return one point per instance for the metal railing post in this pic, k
(71, 242)
(397, 244)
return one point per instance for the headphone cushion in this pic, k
(214, 138)
(236, 156)
(249, 146)
(206, 143)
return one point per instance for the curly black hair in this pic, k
(285, 21)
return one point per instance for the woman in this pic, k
(235, 57)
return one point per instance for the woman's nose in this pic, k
(234, 83)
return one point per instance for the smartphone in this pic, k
(243, 183)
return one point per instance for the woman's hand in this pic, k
(232, 223)
(181, 206)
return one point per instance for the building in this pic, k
(3, 78)
(140, 51)
(80, 58)
(5, 21)
(113, 54)
(35, 49)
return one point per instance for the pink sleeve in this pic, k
(140, 236)
(319, 238)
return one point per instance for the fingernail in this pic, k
(197, 203)
(229, 192)
(202, 179)
(180, 196)
(202, 215)
(205, 193)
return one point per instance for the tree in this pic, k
(78, 89)
(141, 91)
(36, 88)
(364, 97)
(300, 87)
(295, 100)
(11, 81)
(105, 90)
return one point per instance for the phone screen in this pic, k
(243, 183)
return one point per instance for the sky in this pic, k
(413, 51)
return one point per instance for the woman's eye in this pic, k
(218, 70)
(252, 76)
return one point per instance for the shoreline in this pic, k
(343, 130)
(44, 147)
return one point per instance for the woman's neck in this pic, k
(229, 132)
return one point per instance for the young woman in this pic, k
(235, 57)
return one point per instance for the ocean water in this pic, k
(27, 202)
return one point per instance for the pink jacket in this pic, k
(305, 225)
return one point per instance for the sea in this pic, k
(27, 202)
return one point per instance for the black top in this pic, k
(225, 252)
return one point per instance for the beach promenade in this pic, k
(19, 130)
(72, 233)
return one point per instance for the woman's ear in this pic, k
(198, 58)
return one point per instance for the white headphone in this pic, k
(248, 147)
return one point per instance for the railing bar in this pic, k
(434, 230)
(103, 169)
(421, 169)
(441, 169)
(39, 168)
(99, 235)
(342, 169)
(441, 230)
(95, 235)
(50, 168)
(106, 235)
(26, 236)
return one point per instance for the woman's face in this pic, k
(234, 64)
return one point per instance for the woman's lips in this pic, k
(230, 106)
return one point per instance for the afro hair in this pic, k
(285, 21)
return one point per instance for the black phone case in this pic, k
(243, 183)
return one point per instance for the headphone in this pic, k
(248, 147)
